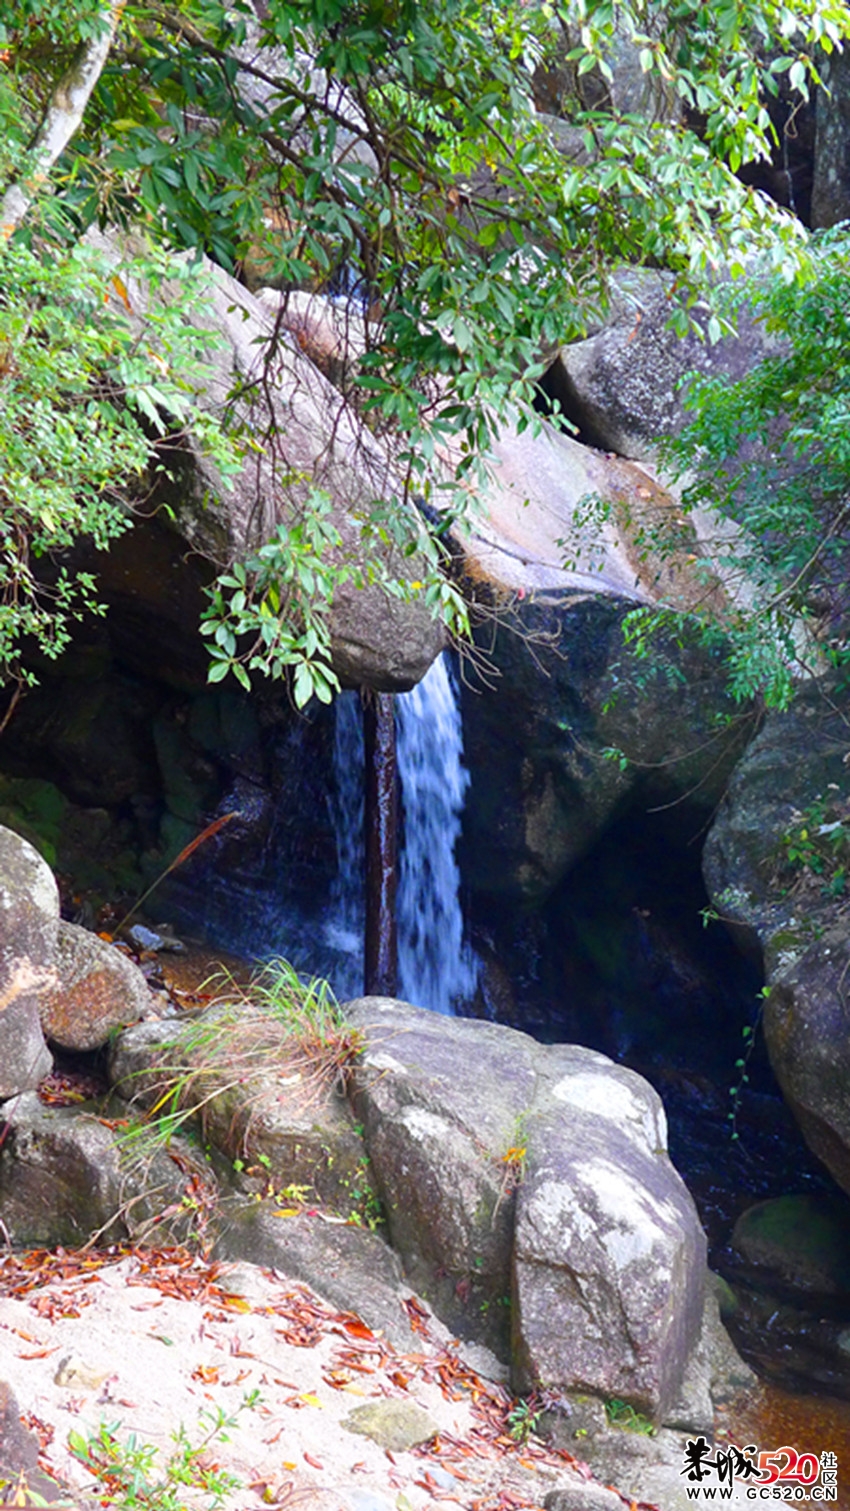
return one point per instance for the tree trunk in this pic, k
(381, 953)
(831, 189)
(61, 118)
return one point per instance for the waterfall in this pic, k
(286, 905)
(345, 924)
(435, 966)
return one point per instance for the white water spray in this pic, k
(436, 968)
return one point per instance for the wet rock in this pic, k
(142, 938)
(395, 1425)
(349, 1267)
(541, 744)
(801, 1241)
(98, 990)
(791, 1340)
(29, 912)
(90, 735)
(793, 781)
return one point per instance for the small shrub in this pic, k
(276, 1022)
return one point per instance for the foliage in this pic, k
(771, 453)
(78, 384)
(736, 1091)
(393, 152)
(134, 1480)
(621, 1414)
(815, 848)
(222, 1059)
(523, 1420)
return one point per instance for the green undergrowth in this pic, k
(137, 1477)
(815, 849)
(621, 1414)
(274, 1031)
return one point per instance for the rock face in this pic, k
(29, 911)
(349, 1267)
(623, 385)
(800, 1241)
(312, 436)
(607, 1249)
(543, 743)
(773, 866)
(98, 989)
(63, 1179)
(509, 1168)
(557, 515)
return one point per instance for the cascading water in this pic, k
(286, 906)
(435, 967)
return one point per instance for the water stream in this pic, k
(436, 967)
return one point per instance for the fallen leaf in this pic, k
(314, 1463)
(357, 1328)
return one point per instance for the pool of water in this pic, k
(772, 1418)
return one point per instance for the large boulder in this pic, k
(309, 438)
(98, 989)
(238, 1074)
(533, 1180)
(66, 1179)
(29, 913)
(775, 862)
(608, 1251)
(442, 1102)
(623, 386)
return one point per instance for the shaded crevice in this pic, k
(558, 401)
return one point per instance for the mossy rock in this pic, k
(34, 809)
(803, 1240)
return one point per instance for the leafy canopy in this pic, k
(771, 453)
(393, 151)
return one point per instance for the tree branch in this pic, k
(61, 118)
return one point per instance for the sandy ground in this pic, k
(148, 1345)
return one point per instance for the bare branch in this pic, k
(62, 118)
